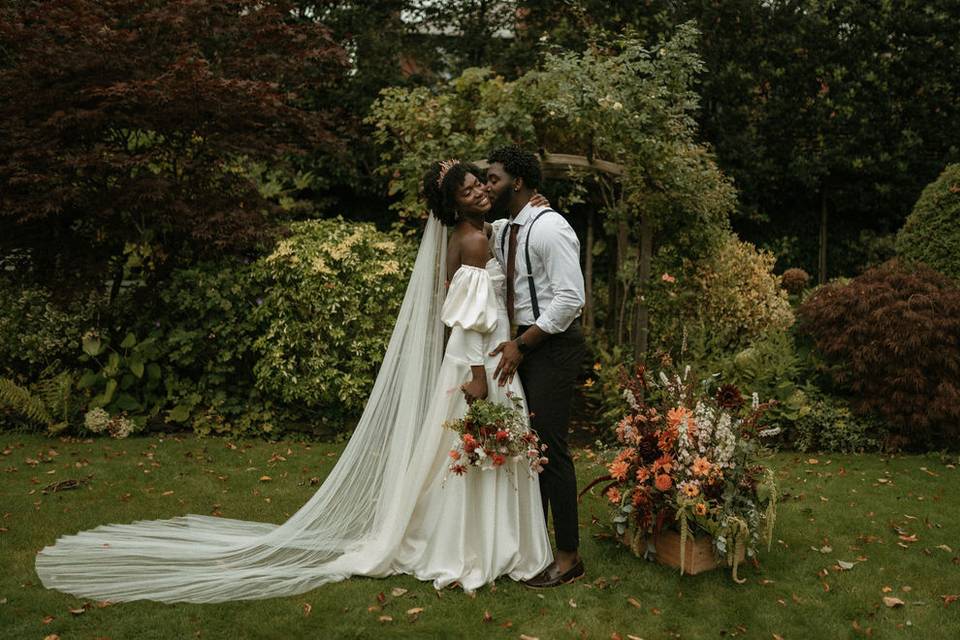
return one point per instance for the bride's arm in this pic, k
(475, 251)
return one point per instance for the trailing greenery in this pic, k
(932, 232)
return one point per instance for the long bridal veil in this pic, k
(343, 529)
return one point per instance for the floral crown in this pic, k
(445, 166)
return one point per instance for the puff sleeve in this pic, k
(470, 310)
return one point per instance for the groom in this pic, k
(541, 256)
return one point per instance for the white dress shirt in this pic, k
(555, 262)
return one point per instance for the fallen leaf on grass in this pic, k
(947, 600)
(167, 493)
(415, 611)
(634, 602)
(52, 636)
(307, 608)
(887, 589)
(487, 617)
(944, 547)
(382, 619)
(77, 612)
(524, 636)
(265, 478)
(892, 602)
(845, 566)
(396, 592)
(48, 619)
(572, 603)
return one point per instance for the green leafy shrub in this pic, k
(891, 338)
(36, 332)
(932, 232)
(208, 324)
(738, 296)
(768, 366)
(334, 290)
(123, 377)
(825, 423)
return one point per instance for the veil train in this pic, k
(346, 528)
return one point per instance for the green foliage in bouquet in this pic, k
(333, 290)
(932, 232)
(691, 458)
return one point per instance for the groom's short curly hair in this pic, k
(519, 163)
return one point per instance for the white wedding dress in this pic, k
(389, 506)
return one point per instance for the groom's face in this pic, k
(499, 189)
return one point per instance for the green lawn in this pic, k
(838, 508)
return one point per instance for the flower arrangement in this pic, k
(491, 434)
(689, 456)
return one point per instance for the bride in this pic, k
(387, 506)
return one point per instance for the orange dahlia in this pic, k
(701, 466)
(700, 509)
(663, 482)
(690, 489)
(613, 495)
(619, 469)
(663, 464)
(677, 415)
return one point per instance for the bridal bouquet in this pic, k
(491, 434)
(689, 459)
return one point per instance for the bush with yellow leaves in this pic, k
(738, 296)
(333, 292)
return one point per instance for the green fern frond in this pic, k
(22, 401)
(56, 394)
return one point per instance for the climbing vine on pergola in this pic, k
(616, 121)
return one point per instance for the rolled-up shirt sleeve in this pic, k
(557, 246)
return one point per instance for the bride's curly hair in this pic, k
(441, 197)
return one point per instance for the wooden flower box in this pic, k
(699, 556)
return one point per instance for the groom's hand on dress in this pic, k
(510, 358)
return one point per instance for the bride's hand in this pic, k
(539, 200)
(476, 389)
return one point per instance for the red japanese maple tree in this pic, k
(119, 117)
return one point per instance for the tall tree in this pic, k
(126, 121)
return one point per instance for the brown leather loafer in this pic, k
(551, 576)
